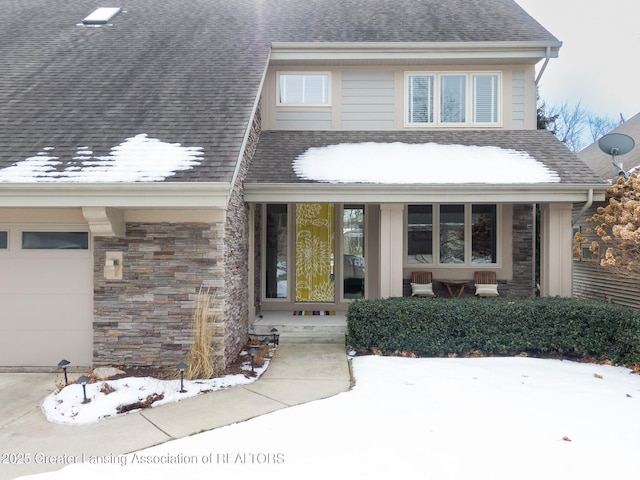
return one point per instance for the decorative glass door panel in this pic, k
(315, 253)
(353, 264)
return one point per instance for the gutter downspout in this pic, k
(544, 65)
(584, 207)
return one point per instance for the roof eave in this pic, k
(442, 193)
(118, 195)
(442, 52)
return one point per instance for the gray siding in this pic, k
(517, 99)
(303, 120)
(591, 280)
(367, 100)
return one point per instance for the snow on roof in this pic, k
(137, 159)
(428, 163)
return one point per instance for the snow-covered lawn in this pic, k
(453, 418)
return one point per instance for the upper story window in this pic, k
(4, 241)
(452, 98)
(303, 89)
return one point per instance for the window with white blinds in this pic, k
(452, 98)
(485, 98)
(303, 89)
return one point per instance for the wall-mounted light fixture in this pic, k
(113, 266)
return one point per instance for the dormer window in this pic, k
(303, 88)
(101, 16)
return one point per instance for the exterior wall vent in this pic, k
(101, 16)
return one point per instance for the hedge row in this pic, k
(567, 327)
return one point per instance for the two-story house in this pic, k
(288, 156)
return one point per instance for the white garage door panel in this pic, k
(44, 348)
(46, 307)
(43, 275)
(46, 312)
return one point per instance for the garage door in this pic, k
(46, 297)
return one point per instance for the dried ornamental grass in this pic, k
(202, 360)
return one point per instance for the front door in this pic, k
(315, 253)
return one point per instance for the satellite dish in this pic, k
(616, 144)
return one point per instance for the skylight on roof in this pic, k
(101, 16)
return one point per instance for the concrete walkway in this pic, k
(298, 373)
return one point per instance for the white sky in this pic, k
(432, 418)
(598, 63)
(427, 163)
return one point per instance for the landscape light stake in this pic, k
(63, 364)
(252, 352)
(83, 381)
(274, 330)
(182, 367)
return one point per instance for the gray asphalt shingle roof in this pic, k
(189, 72)
(601, 163)
(272, 162)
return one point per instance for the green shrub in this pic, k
(568, 327)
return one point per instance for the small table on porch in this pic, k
(455, 288)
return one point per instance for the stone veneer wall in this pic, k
(523, 283)
(236, 286)
(145, 318)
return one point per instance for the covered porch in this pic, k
(443, 214)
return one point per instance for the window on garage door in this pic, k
(55, 240)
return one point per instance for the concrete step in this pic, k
(312, 337)
(306, 329)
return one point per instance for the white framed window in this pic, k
(452, 98)
(420, 95)
(4, 239)
(452, 234)
(304, 88)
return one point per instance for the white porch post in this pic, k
(556, 255)
(391, 248)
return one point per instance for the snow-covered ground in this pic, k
(68, 405)
(453, 418)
